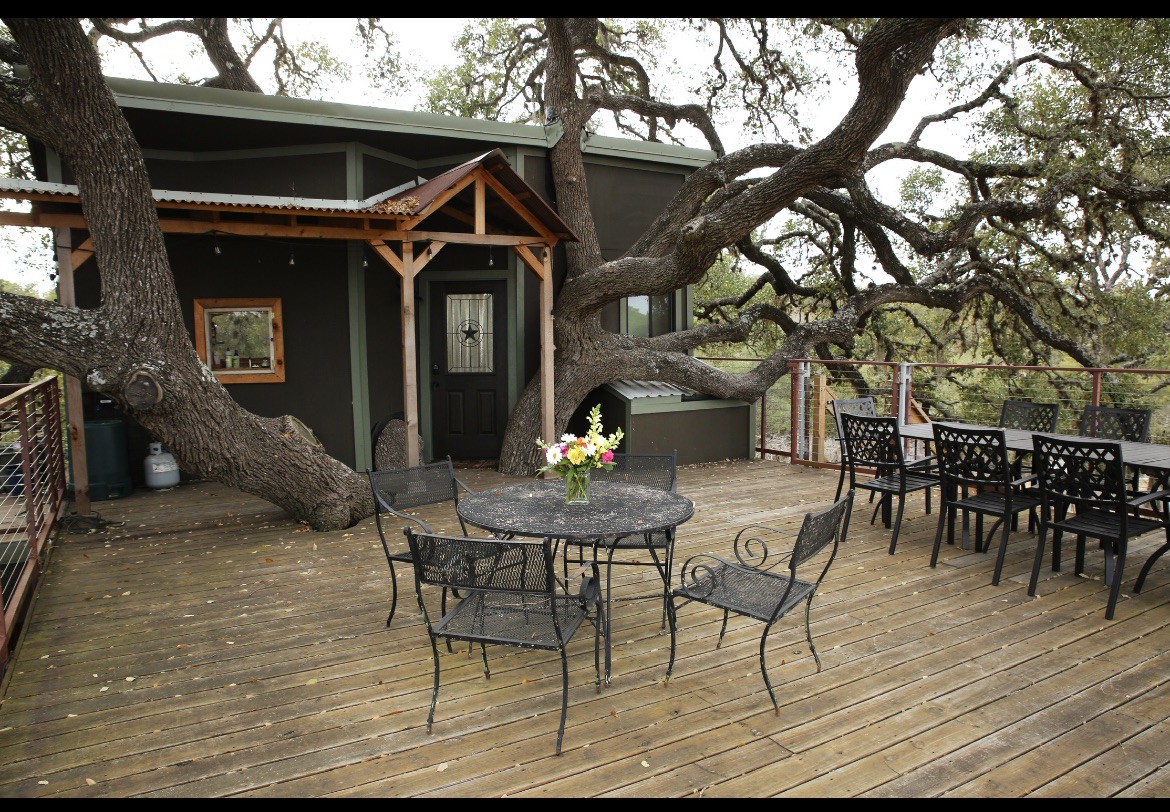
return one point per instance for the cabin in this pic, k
(348, 265)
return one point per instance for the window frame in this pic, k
(204, 308)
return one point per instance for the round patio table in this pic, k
(616, 511)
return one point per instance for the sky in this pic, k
(426, 42)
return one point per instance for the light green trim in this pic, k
(243, 154)
(359, 370)
(53, 165)
(209, 101)
(515, 333)
(677, 404)
(389, 157)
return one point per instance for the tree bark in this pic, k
(134, 347)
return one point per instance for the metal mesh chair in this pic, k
(1110, 423)
(747, 587)
(511, 599)
(653, 471)
(1089, 475)
(875, 442)
(862, 406)
(400, 489)
(1028, 416)
(970, 458)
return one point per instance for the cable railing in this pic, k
(795, 421)
(32, 492)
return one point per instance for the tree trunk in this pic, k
(135, 347)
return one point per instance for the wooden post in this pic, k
(409, 363)
(896, 391)
(547, 352)
(73, 405)
(794, 409)
(819, 404)
(1096, 401)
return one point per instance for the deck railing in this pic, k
(32, 492)
(795, 421)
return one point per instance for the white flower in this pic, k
(590, 449)
(553, 455)
(568, 438)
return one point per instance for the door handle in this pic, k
(434, 369)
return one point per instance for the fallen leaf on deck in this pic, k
(440, 768)
(90, 781)
(645, 763)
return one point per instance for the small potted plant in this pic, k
(574, 458)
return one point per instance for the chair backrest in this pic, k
(1086, 473)
(821, 529)
(396, 489)
(864, 406)
(1111, 423)
(653, 470)
(1029, 416)
(487, 564)
(873, 441)
(971, 456)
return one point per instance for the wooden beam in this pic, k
(480, 207)
(82, 252)
(519, 207)
(547, 353)
(74, 412)
(438, 202)
(530, 259)
(409, 364)
(387, 254)
(432, 251)
(251, 229)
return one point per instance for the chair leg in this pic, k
(435, 691)
(443, 609)
(938, 534)
(1004, 530)
(672, 620)
(1039, 559)
(1079, 568)
(564, 697)
(897, 524)
(1118, 570)
(840, 482)
(808, 632)
(722, 630)
(1137, 587)
(597, 648)
(487, 673)
(608, 611)
(764, 670)
(393, 594)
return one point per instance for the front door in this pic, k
(468, 375)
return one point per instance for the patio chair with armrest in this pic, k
(397, 490)
(1089, 475)
(876, 442)
(975, 459)
(511, 598)
(747, 586)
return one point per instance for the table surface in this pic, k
(538, 509)
(1145, 455)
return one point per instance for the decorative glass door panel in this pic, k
(470, 333)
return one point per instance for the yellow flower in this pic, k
(576, 455)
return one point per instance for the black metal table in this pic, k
(615, 511)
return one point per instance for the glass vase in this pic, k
(577, 488)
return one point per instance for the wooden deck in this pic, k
(212, 647)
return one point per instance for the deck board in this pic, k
(261, 666)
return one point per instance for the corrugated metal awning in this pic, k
(632, 390)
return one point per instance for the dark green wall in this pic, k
(320, 175)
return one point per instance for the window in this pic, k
(240, 340)
(649, 316)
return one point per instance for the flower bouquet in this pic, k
(574, 458)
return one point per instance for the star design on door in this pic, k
(469, 333)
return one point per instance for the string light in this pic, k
(217, 249)
(491, 262)
(292, 260)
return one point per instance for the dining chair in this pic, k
(658, 471)
(399, 489)
(510, 598)
(975, 459)
(875, 442)
(1029, 416)
(1089, 475)
(864, 406)
(747, 586)
(1112, 423)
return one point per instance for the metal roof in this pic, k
(632, 390)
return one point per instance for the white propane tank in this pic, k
(162, 471)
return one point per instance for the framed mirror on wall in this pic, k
(241, 340)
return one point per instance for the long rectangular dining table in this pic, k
(1153, 457)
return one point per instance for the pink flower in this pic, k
(607, 456)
